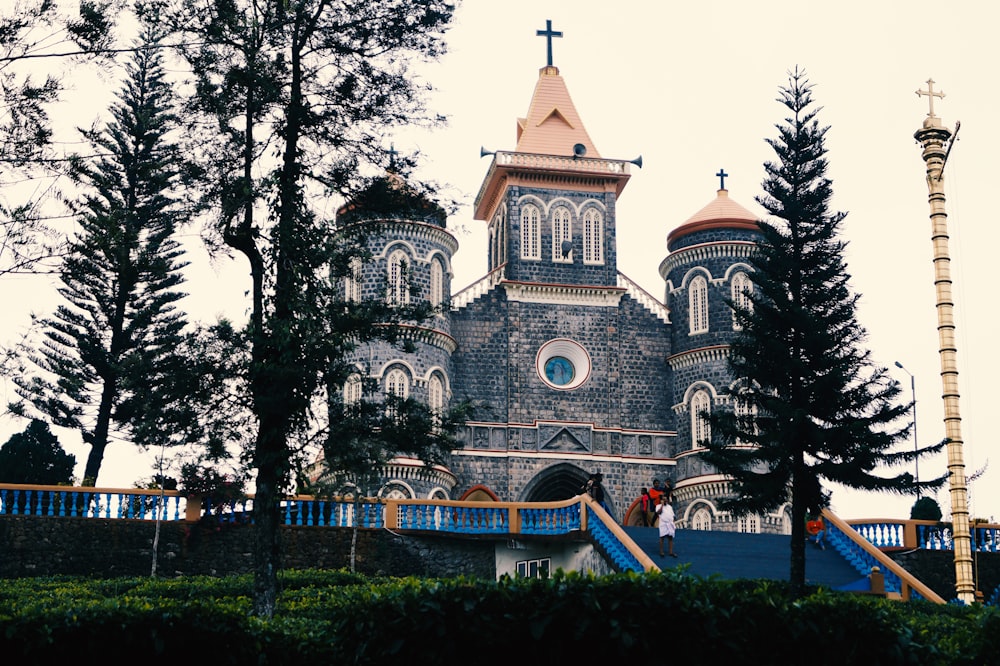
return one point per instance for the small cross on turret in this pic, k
(722, 178)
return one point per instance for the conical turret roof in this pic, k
(721, 212)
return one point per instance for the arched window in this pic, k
(701, 406)
(352, 390)
(437, 283)
(352, 283)
(744, 411)
(698, 304)
(531, 244)
(435, 394)
(397, 383)
(435, 399)
(749, 524)
(702, 520)
(561, 233)
(741, 290)
(593, 237)
(498, 239)
(398, 268)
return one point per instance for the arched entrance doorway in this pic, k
(561, 481)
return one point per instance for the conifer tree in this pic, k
(812, 404)
(120, 277)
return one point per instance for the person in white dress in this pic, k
(665, 515)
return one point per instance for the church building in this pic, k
(577, 369)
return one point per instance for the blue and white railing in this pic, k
(579, 515)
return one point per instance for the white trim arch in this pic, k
(698, 385)
(397, 244)
(438, 370)
(690, 275)
(738, 266)
(396, 482)
(564, 202)
(396, 361)
(445, 262)
(690, 514)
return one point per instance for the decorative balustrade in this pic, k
(76, 502)
(478, 288)
(925, 534)
(562, 162)
(580, 515)
(644, 298)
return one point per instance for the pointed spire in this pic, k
(552, 126)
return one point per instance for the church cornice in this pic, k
(407, 469)
(429, 336)
(413, 229)
(563, 294)
(510, 168)
(702, 252)
(698, 356)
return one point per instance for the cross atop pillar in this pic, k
(548, 33)
(930, 93)
(722, 178)
(392, 152)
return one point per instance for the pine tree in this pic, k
(814, 406)
(119, 323)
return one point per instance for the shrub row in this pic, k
(341, 618)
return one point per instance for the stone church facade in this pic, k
(575, 368)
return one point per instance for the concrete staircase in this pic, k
(734, 555)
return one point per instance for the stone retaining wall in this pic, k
(32, 546)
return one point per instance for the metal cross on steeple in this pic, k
(722, 178)
(548, 33)
(931, 94)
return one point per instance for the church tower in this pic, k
(410, 252)
(706, 269)
(568, 355)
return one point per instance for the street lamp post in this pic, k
(913, 394)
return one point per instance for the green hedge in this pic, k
(341, 618)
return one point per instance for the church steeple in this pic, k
(553, 126)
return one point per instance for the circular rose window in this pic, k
(563, 364)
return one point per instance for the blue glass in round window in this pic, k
(559, 370)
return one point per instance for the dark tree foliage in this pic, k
(290, 98)
(925, 508)
(35, 456)
(37, 35)
(365, 435)
(815, 407)
(102, 350)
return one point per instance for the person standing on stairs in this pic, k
(665, 515)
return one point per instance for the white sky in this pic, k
(691, 87)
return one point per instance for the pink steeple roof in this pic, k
(552, 126)
(721, 212)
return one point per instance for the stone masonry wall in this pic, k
(31, 546)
